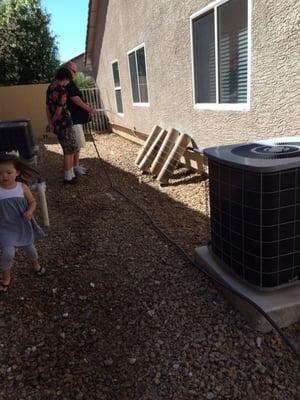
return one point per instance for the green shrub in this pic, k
(83, 81)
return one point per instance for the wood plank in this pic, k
(190, 159)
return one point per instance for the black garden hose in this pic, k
(209, 275)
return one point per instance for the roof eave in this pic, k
(90, 33)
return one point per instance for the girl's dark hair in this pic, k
(26, 170)
(63, 73)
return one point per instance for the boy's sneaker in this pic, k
(72, 181)
(80, 171)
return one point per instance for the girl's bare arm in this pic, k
(31, 203)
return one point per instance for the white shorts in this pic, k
(79, 135)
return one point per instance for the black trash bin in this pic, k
(17, 135)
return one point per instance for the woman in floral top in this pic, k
(60, 121)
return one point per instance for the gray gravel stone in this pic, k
(146, 303)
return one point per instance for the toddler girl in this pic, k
(18, 228)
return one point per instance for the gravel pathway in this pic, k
(121, 315)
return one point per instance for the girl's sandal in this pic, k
(3, 288)
(41, 271)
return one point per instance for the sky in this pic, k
(68, 24)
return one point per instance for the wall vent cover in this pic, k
(255, 210)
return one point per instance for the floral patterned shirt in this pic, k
(57, 97)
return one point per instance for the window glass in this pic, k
(119, 101)
(140, 54)
(134, 81)
(204, 59)
(221, 80)
(233, 51)
(116, 74)
(118, 93)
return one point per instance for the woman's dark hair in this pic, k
(26, 170)
(63, 73)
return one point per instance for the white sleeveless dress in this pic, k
(14, 230)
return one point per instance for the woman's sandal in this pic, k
(3, 288)
(41, 271)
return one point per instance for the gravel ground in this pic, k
(121, 314)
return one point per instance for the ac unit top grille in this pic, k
(261, 156)
(267, 152)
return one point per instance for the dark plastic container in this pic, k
(17, 136)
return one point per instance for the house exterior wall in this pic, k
(164, 27)
(25, 101)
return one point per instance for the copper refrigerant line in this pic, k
(210, 276)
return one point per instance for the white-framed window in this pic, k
(118, 92)
(138, 75)
(221, 55)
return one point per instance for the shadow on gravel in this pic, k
(175, 216)
(188, 180)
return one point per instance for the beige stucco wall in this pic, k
(164, 27)
(25, 101)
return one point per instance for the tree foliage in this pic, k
(28, 50)
(83, 81)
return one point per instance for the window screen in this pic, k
(115, 67)
(140, 55)
(204, 59)
(118, 93)
(119, 101)
(233, 51)
(138, 76)
(229, 71)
